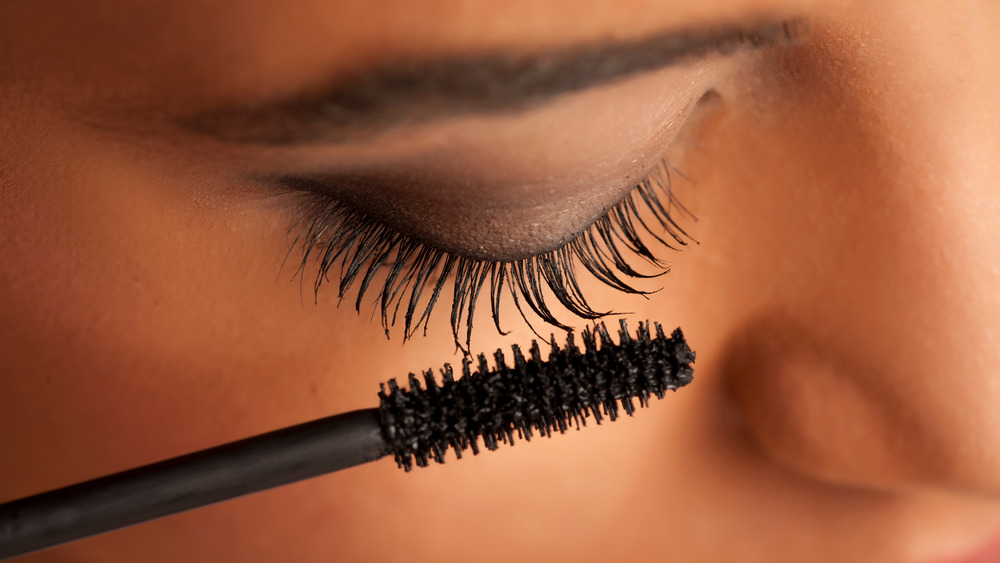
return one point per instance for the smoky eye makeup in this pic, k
(406, 277)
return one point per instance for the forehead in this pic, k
(258, 48)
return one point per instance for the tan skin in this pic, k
(842, 299)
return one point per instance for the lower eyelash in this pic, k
(332, 233)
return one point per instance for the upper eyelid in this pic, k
(358, 245)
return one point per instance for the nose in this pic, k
(857, 250)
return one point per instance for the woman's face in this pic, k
(156, 161)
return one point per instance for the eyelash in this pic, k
(333, 232)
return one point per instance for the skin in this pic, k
(842, 299)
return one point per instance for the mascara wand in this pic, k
(492, 404)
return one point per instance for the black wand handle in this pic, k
(198, 479)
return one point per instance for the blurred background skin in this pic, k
(843, 298)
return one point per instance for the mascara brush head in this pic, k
(531, 394)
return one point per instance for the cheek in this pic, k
(140, 320)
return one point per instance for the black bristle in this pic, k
(531, 395)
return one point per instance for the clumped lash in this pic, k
(341, 239)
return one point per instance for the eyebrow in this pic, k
(416, 91)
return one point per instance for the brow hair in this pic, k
(413, 91)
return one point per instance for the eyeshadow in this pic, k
(366, 253)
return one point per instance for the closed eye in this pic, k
(412, 275)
